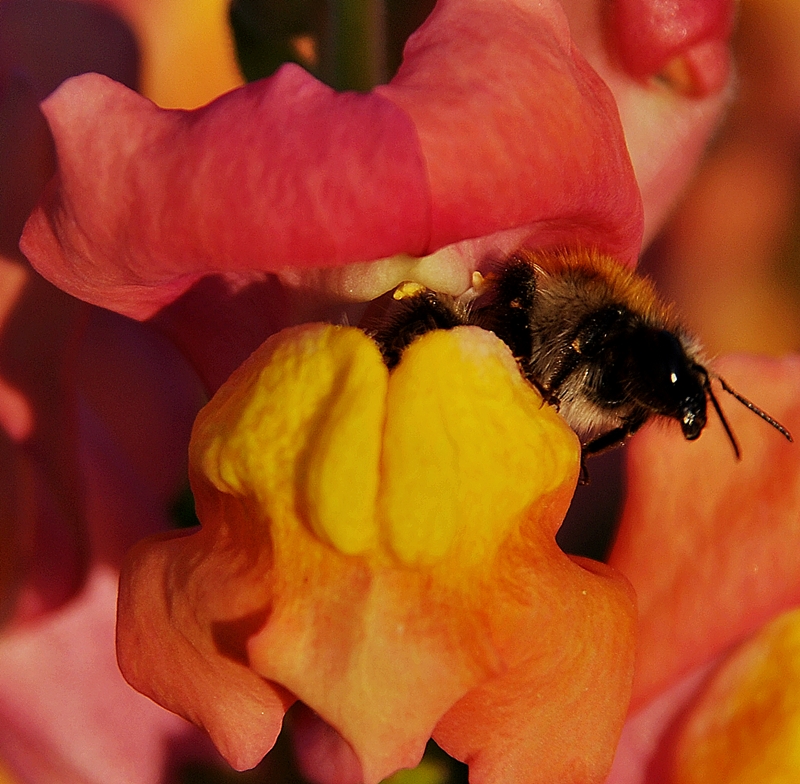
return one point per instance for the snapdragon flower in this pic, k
(191, 229)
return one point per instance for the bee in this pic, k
(590, 335)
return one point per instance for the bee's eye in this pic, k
(692, 423)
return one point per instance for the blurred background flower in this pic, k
(81, 479)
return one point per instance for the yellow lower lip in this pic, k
(446, 452)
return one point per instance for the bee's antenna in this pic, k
(728, 431)
(714, 402)
(754, 408)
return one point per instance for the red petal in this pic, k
(709, 543)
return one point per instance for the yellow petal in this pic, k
(298, 428)
(745, 729)
(453, 447)
(340, 485)
(468, 446)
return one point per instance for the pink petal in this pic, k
(48, 41)
(323, 756)
(668, 121)
(27, 161)
(43, 42)
(281, 171)
(643, 755)
(44, 547)
(67, 714)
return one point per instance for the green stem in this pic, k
(357, 44)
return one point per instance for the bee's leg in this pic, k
(569, 362)
(417, 315)
(614, 438)
(583, 477)
(610, 440)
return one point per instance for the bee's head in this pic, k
(666, 380)
(670, 383)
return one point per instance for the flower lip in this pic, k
(442, 271)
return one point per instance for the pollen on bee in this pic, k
(407, 289)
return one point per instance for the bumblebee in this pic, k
(590, 335)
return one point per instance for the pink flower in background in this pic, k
(718, 659)
(81, 479)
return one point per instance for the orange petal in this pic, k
(176, 644)
(555, 711)
(382, 547)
